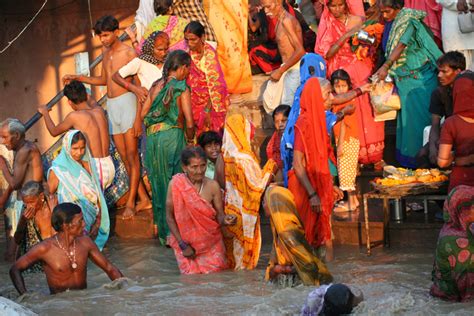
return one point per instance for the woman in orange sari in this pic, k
(310, 180)
(209, 95)
(341, 19)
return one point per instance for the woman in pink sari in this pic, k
(433, 16)
(340, 20)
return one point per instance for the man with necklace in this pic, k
(64, 256)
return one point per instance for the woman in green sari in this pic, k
(411, 55)
(169, 125)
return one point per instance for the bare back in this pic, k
(29, 157)
(112, 62)
(102, 123)
(85, 122)
(284, 30)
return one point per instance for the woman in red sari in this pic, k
(340, 20)
(310, 180)
(209, 95)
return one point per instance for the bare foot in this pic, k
(145, 205)
(128, 213)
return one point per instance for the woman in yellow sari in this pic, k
(245, 182)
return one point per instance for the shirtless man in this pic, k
(34, 225)
(92, 122)
(64, 256)
(27, 166)
(289, 38)
(122, 107)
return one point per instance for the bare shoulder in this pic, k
(30, 148)
(128, 51)
(86, 241)
(290, 21)
(355, 20)
(212, 184)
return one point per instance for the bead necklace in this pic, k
(70, 255)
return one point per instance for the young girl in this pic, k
(347, 139)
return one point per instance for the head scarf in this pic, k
(148, 47)
(463, 94)
(330, 27)
(312, 65)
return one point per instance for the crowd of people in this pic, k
(172, 89)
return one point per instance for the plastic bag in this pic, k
(383, 98)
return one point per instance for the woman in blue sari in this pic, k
(411, 55)
(74, 179)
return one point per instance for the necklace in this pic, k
(70, 255)
(200, 188)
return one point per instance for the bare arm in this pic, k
(445, 156)
(34, 255)
(62, 127)
(53, 182)
(434, 137)
(188, 114)
(95, 80)
(299, 163)
(5, 196)
(219, 174)
(217, 202)
(342, 40)
(155, 89)
(20, 167)
(295, 41)
(101, 261)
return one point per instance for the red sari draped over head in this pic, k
(433, 15)
(311, 138)
(371, 133)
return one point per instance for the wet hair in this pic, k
(192, 152)
(394, 4)
(454, 60)
(75, 91)
(32, 188)
(196, 28)
(78, 137)
(341, 74)
(162, 7)
(282, 108)
(14, 126)
(175, 60)
(209, 137)
(106, 24)
(338, 300)
(63, 213)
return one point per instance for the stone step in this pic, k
(138, 227)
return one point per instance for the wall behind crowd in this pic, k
(32, 68)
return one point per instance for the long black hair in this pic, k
(394, 4)
(341, 74)
(175, 60)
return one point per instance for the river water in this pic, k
(392, 281)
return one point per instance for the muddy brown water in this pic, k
(393, 281)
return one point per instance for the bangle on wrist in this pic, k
(183, 245)
(127, 85)
(388, 63)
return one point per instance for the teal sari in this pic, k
(415, 74)
(78, 186)
(164, 143)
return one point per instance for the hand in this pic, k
(131, 34)
(366, 87)
(189, 252)
(29, 213)
(315, 203)
(348, 110)
(137, 128)
(462, 6)
(141, 93)
(338, 194)
(230, 219)
(382, 73)
(43, 110)
(276, 74)
(68, 78)
(52, 201)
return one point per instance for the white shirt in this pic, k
(147, 73)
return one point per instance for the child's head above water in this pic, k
(280, 116)
(341, 81)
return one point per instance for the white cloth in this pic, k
(315, 301)
(283, 90)
(144, 15)
(147, 73)
(452, 37)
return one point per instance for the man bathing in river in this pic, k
(64, 256)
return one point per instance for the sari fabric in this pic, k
(245, 182)
(433, 15)
(197, 223)
(209, 95)
(229, 20)
(453, 270)
(372, 134)
(311, 65)
(311, 133)
(77, 185)
(415, 78)
(173, 26)
(289, 244)
(164, 143)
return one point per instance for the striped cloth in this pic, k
(194, 11)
